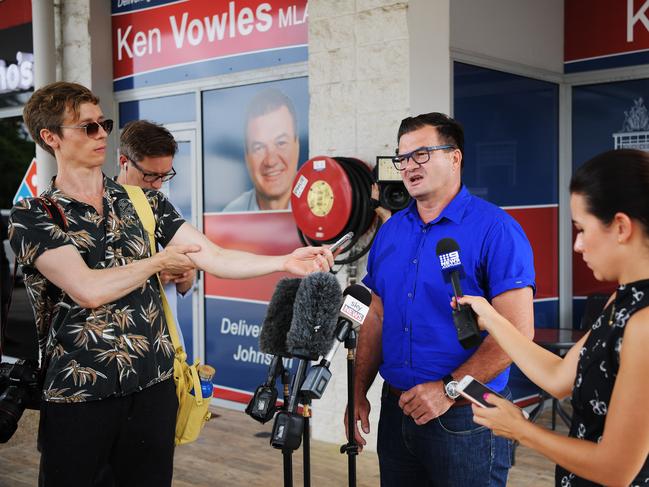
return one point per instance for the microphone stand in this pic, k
(351, 447)
(306, 441)
(287, 455)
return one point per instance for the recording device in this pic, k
(464, 319)
(393, 194)
(474, 390)
(20, 389)
(353, 312)
(315, 312)
(341, 241)
(272, 340)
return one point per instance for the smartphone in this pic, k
(473, 390)
(341, 241)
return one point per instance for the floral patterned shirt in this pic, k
(115, 349)
(599, 361)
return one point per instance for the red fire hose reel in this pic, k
(331, 196)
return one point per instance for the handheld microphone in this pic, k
(314, 318)
(353, 312)
(468, 333)
(272, 340)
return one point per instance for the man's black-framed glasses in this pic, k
(92, 128)
(152, 177)
(421, 155)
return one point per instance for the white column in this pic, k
(430, 58)
(44, 73)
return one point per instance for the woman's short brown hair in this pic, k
(47, 106)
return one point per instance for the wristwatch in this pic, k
(450, 387)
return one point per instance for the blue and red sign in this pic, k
(601, 34)
(28, 186)
(163, 42)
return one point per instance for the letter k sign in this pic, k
(632, 18)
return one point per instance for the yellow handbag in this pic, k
(193, 410)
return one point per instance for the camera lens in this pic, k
(394, 196)
(12, 405)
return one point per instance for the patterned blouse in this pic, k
(596, 372)
(115, 349)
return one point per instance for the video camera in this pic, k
(392, 192)
(19, 389)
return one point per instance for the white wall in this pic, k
(359, 85)
(526, 32)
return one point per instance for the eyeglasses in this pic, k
(92, 128)
(420, 155)
(152, 177)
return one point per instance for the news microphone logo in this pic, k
(450, 260)
(354, 309)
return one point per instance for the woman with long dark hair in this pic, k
(607, 370)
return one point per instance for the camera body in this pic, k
(19, 389)
(393, 194)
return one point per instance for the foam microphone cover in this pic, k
(272, 338)
(446, 246)
(315, 314)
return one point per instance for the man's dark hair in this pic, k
(142, 138)
(450, 130)
(47, 106)
(267, 101)
(613, 182)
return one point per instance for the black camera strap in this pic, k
(55, 212)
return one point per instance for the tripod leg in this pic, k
(351, 420)
(288, 468)
(306, 451)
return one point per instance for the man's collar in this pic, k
(454, 211)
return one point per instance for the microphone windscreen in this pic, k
(447, 245)
(448, 252)
(315, 314)
(272, 337)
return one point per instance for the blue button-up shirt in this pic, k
(419, 339)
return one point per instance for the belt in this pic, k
(458, 402)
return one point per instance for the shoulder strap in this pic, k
(145, 213)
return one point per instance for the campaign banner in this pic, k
(600, 34)
(232, 330)
(161, 42)
(15, 12)
(16, 52)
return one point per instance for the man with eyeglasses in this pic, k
(426, 435)
(146, 153)
(109, 399)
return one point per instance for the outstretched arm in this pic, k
(552, 373)
(91, 288)
(623, 448)
(235, 264)
(428, 400)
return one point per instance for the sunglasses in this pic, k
(92, 128)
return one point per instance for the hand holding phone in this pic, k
(341, 241)
(474, 391)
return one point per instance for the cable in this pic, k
(362, 214)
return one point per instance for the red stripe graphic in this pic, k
(15, 12)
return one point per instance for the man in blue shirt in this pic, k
(426, 434)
